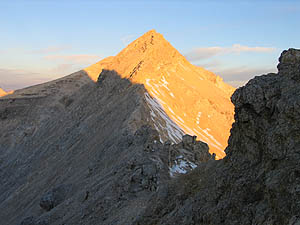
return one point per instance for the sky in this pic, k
(44, 40)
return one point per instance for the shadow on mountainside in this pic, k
(77, 85)
(78, 152)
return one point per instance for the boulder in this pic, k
(54, 197)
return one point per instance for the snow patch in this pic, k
(198, 117)
(171, 110)
(178, 117)
(171, 129)
(211, 137)
(164, 80)
(208, 138)
(184, 67)
(181, 166)
(164, 83)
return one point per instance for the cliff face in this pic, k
(258, 181)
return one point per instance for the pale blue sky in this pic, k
(43, 40)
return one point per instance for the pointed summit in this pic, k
(144, 55)
(147, 41)
(150, 34)
(195, 99)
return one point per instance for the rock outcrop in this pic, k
(258, 182)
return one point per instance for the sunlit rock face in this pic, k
(195, 101)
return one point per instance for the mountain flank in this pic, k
(76, 158)
(195, 99)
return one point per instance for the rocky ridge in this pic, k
(75, 157)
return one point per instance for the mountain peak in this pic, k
(144, 56)
(150, 33)
(146, 52)
(147, 44)
(150, 36)
(192, 97)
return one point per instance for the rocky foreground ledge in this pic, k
(258, 182)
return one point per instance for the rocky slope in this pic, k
(2, 92)
(74, 158)
(258, 181)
